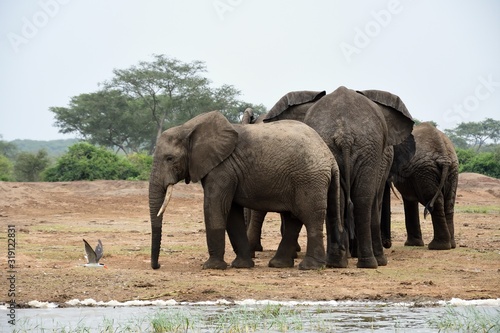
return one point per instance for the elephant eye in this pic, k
(169, 158)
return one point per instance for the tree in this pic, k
(476, 134)
(29, 166)
(161, 85)
(139, 103)
(7, 149)
(87, 162)
(108, 118)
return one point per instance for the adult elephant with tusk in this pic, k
(283, 167)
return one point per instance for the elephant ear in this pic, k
(398, 119)
(403, 153)
(293, 98)
(212, 139)
(248, 117)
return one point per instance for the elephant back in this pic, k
(290, 100)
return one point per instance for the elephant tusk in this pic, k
(167, 199)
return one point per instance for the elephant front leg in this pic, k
(215, 225)
(238, 238)
(216, 239)
(412, 221)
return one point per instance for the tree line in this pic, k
(118, 125)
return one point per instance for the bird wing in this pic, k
(98, 250)
(91, 255)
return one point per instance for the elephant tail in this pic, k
(444, 175)
(349, 207)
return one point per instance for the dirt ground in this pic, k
(50, 220)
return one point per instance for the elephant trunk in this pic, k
(158, 200)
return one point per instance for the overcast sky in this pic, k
(441, 57)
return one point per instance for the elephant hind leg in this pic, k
(286, 252)
(442, 237)
(412, 222)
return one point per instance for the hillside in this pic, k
(53, 147)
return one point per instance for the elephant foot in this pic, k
(382, 260)
(242, 263)
(281, 262)
(337, 260)
(435, 245)
(310, 263)
(258, 248)
(414, 242)
(453, 244)
(386, 243)
(369, 262)
(214, 263)
(337, 264)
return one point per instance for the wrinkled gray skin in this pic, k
(429, 178)
(236, 164)
(360, 129)
(255, 219)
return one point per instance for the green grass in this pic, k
(276, 318)
(477, 209)
(471, 320)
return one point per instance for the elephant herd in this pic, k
(323, 161)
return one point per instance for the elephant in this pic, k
(430, 178)
(255, 219)
(360, 128)
(281, 167)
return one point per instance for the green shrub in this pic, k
(142, 164)
(6, 169)
(84, 161)
(484, 163)
(29, 166)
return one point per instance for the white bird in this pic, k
(93, 256)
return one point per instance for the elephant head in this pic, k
(188, 152)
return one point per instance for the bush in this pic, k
(6, 169)
(484, 163)
(87, 162)
(29, 166)
(142, 164)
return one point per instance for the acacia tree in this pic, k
(108, 118)
(476, 134)
(138, 103)
(162, 85)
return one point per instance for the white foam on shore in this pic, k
(252, 302)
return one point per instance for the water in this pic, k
(242, 316)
